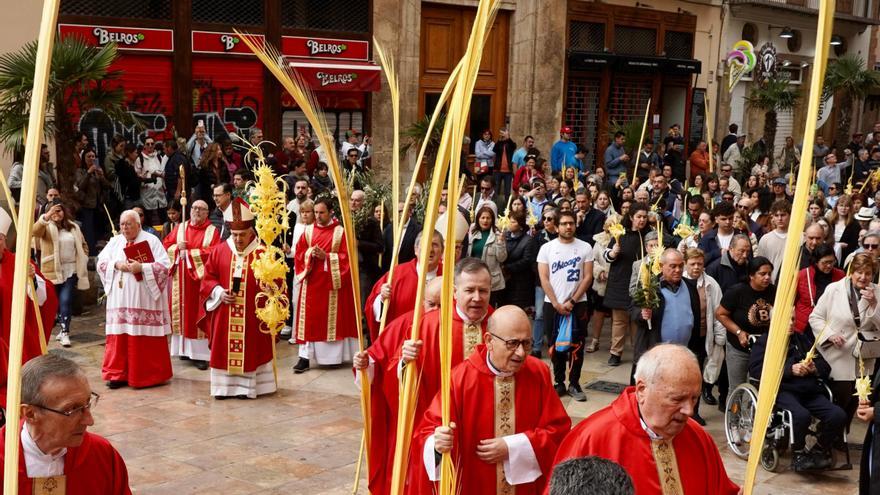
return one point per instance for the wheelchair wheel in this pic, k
(769, 458)
(739, 418)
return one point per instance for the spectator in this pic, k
(733, 156)
(717, 242)
(857, 143)
(353, 140)
(593, 475)
(726, 172)
(174, 217)
(129, 182)
(847, 308)
(616, 159)
(814, 236)
(861, 167)
(772, 244)
(870, 244)
(712, 333)
(699, 159)
(321, 183)
(705, 227)
(846, 228)
(90, 183)
(146, 228)
(63, 260)
(487, 243)
(563, 151)
(604, 205)
(488, 196)
(812, 282)
(221, 199)
(820, 151)
(589, 219)
(522, 252)
(406, 250)
(528, 148)
(829, 175)
(744, 311)
(198, 143)
(537, 197)
(546, 232)
(172, 163)
(300, 194)
(648, 159)
(525, 174)
(240, 181)
(212, 171)
(233, 158)
(620, 255)
(674, 144)
(788, 158)
(484, 154)
(596, 294)
(504, 167)
(730, 139)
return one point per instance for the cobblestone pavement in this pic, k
(304, 439)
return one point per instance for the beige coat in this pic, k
(494, 254)
(833, 309)
(47, 233)
(716, 334)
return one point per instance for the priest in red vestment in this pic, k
(648, 430)
(57, 455)
(326, 330)
(507, 420)
(137, 307)
(400, 295)
(189, 245)
(382, 361)
(241, 352)
(34, 343)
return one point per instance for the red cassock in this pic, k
(187, 272)
(233, 330)
(481, 407)
(31, 346)
(326, 310)
(403, 295)
(93, 468)
(615, 433)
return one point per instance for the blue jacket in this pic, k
(613, 164)
(562, 154)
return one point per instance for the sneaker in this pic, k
(301, 366)
(593, 346)
(58, 337)
(65, 339)
(561, 390)
(576, 393)
(614, 360)
(291, 341)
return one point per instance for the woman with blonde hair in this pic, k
(63, 260)
(845, 227)
(305, 218)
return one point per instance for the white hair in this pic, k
(653, 364)
(132, 214)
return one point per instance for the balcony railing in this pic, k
(854, 8)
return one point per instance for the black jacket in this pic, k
(370, 245)
(727, 273)
(617, 289)
(590, 226)
(407, 244)
(172, 174)
(500, 147)
(869, 475)
(522, 254)
(798, 346)
(711, 248)
(696, 342)
(129, 181)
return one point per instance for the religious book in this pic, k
(141, 253)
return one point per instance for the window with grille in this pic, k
(679, 45)
(582, 114)
(133, 9)
(586, 36)
(635, 41)
(327, 15)
(628, 100)
(235, 12)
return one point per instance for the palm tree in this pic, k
(848, 79)
(774, 95)
(415, 135)
(78, 82)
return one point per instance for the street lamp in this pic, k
(786, 32)
(836, 40)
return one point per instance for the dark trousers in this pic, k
(575, 354)
(503, 182)
(803, 408)
(843, 396)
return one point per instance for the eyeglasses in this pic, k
(202, 208)
(513, 344)
(93, 401)
(832, 188)
(871, 246)
(485, 189)
(742, 207)
(549, 219)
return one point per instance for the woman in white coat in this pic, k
(847, 307)
(712, 329)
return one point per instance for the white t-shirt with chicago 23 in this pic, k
(565, 262)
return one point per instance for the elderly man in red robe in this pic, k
(134, 272)
(400, 294)
(189, 245)
(57, 453)
(326, 330)
(649, 431)
(241, 352)
(506, 420)
(382, 360)
(34, 343)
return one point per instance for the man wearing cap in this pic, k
(34, 342)
(326, 329)
(563, 151)
(778, 189)
(188, 247)
(241, 353)
(137, 307)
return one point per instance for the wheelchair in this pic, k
(739, 417)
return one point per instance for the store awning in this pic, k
(334, 75)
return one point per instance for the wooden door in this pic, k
(444, 35)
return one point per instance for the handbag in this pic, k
(563, 335)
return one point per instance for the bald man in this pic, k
(648, 430)
(506, 419)
(188, 246)
(382, 361)
(813, 236)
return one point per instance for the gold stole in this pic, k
(235, 338)
(177, 280)
(471, 338)
(505, 423)
(51, 485)
(304, 286)
(667, 467)
(336, 275)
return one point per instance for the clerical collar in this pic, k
(465, 318)
(648, 430)
(39, 464)
(496, 371)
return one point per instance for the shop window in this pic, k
(679, 45)
(130, 9)
(234, 12)
(750, 33)
(586, 36)
(635, 41)
(351, 16)
(628, 100)
(479, 119)
(582, 113)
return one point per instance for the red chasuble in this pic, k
(482, 408)
(615, 433)
(187, 272)
(93, 468)
(326, 304)
(403, 295)
(32, 347)
(234, 332)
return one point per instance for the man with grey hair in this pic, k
(58, 454)
(648, 430)
(133, 268)
(590, 474)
